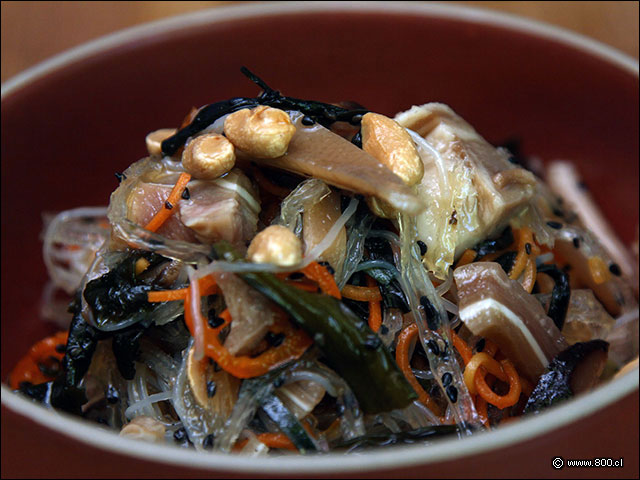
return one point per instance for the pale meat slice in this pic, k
(495, 307)
(215, 212)
(471, 187)
(317, 152)
(145, 199)
(251, 312)
(317, 220)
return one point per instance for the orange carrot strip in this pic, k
(164, 213)
(402, 359)
(316, 272)
(28, 370)
(525, 236)
(207, 287)
(293, 346)
(370, 293)
(481, 361)
(463, 349)
(467, 257)
(375, 310)
(501, 401)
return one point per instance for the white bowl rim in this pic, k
(377, 459)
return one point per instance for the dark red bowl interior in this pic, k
(66, 133)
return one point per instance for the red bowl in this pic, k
(70, 123)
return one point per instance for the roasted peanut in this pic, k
(209, 156)
(275, 244)
(390, 144)
(262, 132)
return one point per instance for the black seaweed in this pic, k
(560, 295)
(119, 293)
(495, 245)
(323, 113)
(506, 261)
(126, 347)
(554, 385)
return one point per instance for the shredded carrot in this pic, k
(370, 293)
(501, 401)
(316, 272)
(164, 213)
(405, 339)
(207, 287)
(375, 310)
(524, 237)
(41, 353)
(467, 257)
(293, 346)
(479, 364)
(461, 346)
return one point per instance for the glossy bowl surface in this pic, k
(70, 123)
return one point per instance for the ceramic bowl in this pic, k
(69, 123)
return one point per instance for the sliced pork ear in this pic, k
(493, 306)
(222, 209)
(471, 187)
(145, 199)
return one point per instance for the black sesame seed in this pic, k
(168, 205)
(180, 435)
(480, 345)
(278, 382)
(329, 268)
(208, 441)
(61, 348)
(340, 410)
(211, 388)
(576, 242)
(423, 247)
(558, 213)
(431, 313)
(186, 194)
(433, 346)
(615, 269)
(527, 248)
(384, 329)
(452, 393)
(307, 121)
(555, 225)
(447, 378)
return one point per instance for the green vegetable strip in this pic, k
(349, 346)
(288, 423)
